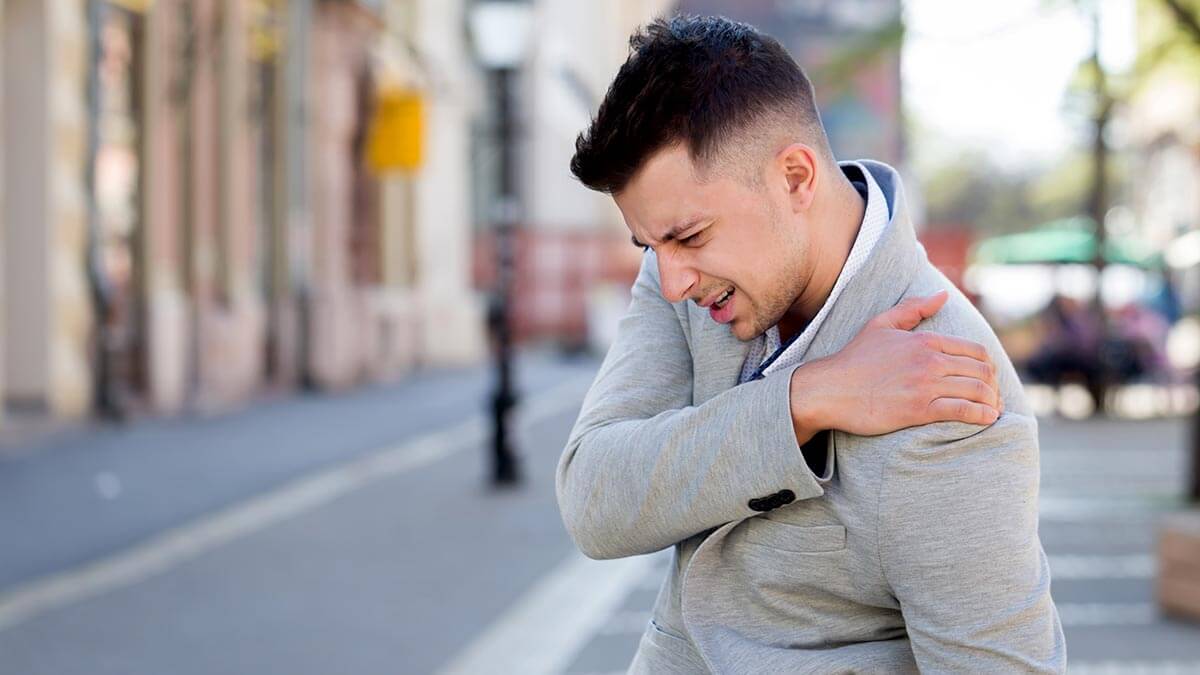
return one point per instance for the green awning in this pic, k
(1068, 241)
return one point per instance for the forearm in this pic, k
(632, 486)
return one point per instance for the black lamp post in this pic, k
(500, 32)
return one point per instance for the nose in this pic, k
(675, 277)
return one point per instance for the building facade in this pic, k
(195, 220)
(47, 322)
(1163, 121)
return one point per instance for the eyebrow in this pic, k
(672, 234)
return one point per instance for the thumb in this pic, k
(910, 312)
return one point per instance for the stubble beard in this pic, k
(775, 308)
(792, 282)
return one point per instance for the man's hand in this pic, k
(889, 378)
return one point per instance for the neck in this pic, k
(840, 213)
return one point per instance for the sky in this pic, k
(991, 76)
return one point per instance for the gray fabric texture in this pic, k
(919, 550)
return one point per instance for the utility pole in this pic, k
(1098, 208)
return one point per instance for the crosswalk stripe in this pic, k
(1075, 509)
(1134, 668)
(1072, 567)
(627, 622)
(1075, 614)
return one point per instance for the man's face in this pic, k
(719, 235)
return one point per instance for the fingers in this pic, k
(910, 312)
(960, 410)
(954, 346)
(969, 389)
(965, 366)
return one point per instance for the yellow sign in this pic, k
(395, 142)
(138, 6)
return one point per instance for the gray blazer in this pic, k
(917, 549)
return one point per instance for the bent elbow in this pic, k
(591, 536)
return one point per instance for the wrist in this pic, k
(808, 417)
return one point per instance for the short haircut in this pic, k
(715, 84)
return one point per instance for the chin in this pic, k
(739, 330)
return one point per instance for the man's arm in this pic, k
(644, 468)
(960, 549)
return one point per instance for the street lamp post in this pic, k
(500, 31)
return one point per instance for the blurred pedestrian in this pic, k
(842, 495)
(1070, 346)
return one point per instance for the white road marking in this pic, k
(653, 579)
(1068, 567)
(627, 622)
(178, 545)
(1134, 668)
(548, 626)
(1107, 614)
(1072, 509)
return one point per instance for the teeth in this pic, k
(723, 299)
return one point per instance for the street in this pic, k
(354, 533)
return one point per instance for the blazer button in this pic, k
(785, 497)
(759, 504)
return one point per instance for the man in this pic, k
(842, 496)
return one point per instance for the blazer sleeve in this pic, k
(958, 524)
(644, 468)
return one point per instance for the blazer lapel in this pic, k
(877, 287)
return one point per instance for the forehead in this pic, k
(670, 190)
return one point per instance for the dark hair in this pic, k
(699, 80)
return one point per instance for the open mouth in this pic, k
(720, 302)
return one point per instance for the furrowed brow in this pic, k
(671, 234)
(674, 232)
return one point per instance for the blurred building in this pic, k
(1164, 125)
(47, 314)
(190, 215)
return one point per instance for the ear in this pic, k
(798, 165)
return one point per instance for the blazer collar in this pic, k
(884, 278)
